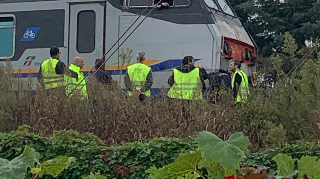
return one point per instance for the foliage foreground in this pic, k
(17, 167)
(206, 156)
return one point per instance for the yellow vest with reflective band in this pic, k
(72, 84)
(138, 74)
(50, 78)
(186, 85)
(243, 92)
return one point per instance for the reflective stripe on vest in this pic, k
(72, 84)
(50, 78)
(243, 92)
(186, 85)
(138, 74)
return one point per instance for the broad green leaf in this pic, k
(214, 169)
(309, 165)
(295, 172)
(186, 162)
(35, 170)
(228, 153)
(17, 168)
(94, 176)
(55, 166)
(239, 140)
(285, 164)
(189, 175)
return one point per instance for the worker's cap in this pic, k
(54, 50)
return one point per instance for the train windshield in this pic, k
(211, 4)
(221, 5)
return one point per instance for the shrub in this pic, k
(128, 160)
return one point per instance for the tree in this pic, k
(267, 20)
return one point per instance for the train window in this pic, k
(163, 3)
(7, 36)
(211, 4)
(225, 7)
(181, 3)
(146, 3)
(140, 2)
(86, 28)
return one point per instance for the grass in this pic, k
(271, 117)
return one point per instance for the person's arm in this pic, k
(149, 82)
(127, 82)
(171, 80)
(40, 76)
(202, 80)
(204, 73)
(60, 68)
(108, 77)
(237, 83)
(71, 73)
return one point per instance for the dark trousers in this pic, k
(185, 109)
(59, 91)
(142, 98)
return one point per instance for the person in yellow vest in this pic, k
(239, 82)
(138, 79)
(74, 79)
(51, 72)
(186, 82)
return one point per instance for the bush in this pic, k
(128, 160)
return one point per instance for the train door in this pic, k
(86, 31)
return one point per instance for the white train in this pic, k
(206, 29)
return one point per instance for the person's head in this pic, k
(54, 52)
(188, 60)
(141, 56)
(78, 61)
(99, 64)
(234, 65)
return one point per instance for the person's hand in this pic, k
(165, 4)
(40, 84)
(199, 66)
(137, 91)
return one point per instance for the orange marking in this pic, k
(115, 67)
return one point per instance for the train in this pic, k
(208, 30)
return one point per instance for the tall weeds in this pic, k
(272, 117)
(115, 117)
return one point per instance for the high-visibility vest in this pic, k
(72, 84)
(50, 78)
(138, 74)
(186, 85)
(243, 92)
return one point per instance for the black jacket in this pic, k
(220, 79)
(237, 82)
(186, 69)
(103, 77)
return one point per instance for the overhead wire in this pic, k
(152, 2)
(303, 58)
